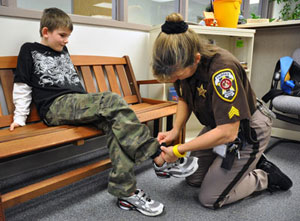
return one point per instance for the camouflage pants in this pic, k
(129, 142)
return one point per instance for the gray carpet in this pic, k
(89, 200)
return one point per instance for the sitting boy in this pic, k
(46, 74)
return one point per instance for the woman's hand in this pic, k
(167, 137)
(167, 154)
(13, 126)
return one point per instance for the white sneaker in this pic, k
(141, 202)
(181, 168)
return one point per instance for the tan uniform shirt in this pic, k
(219, 92)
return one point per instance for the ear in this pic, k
(197, 58)
(45, 32)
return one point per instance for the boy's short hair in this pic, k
(54, 18)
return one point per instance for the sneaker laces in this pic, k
(177, 162)
(145, 197)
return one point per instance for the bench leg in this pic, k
(182, 135)
(156, 127)
(181, 138)
(2, 215)
(169, 122)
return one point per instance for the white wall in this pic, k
(149, 12)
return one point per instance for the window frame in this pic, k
(119, 15)
(265, 8)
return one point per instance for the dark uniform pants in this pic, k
(129, 142)
(220, 186)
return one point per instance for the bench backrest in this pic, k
(98, 73)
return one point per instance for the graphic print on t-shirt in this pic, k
(54, 70)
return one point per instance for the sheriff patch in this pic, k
(225, 84)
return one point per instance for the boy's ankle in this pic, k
(159, 161)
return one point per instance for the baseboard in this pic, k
(285, 134)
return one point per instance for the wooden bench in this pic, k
(98, 74)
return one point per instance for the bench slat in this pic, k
(100, 78)
(7, 79)
(29, 192)
(123, 80)
(132, 80)
(79, 60)
(131, 99)
(8, 62)
(30, 131)
(149, 108)
(113, 82)
(156, 114)
(88, 79)
(6, 120)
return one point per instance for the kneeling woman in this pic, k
(213, 85)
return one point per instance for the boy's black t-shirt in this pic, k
(50, 74)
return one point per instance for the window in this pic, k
(65, 5)
(254, 7)
(100, 9)
(196, 8)
(94, 8)
(150, 12)
(259, 8)
(133, 14)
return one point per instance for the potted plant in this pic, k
(290, 9)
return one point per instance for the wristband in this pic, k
(176, 152)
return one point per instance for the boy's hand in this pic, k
(13, 126)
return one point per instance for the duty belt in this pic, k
(264, 110)
(246, 135)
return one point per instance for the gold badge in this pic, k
(201, 91)
(225, 84)
(233, 111)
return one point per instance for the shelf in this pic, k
(271, 24)
(216, 31)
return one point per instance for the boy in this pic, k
(46, 74)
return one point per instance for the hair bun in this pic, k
(174, 24)
(170, 27)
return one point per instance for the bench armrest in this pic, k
(153, 81)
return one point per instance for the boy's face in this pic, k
(56, 39)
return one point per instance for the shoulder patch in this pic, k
(225, 85)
